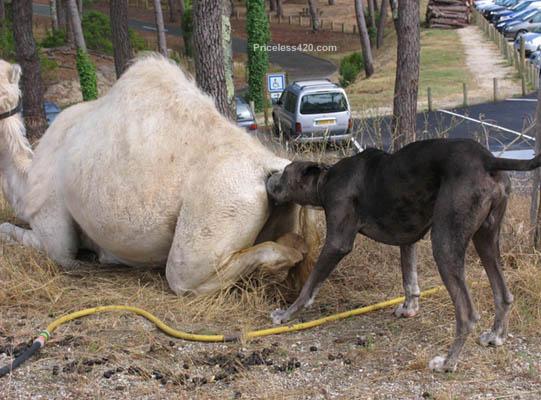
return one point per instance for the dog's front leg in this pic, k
(408, 264)
(338, 243)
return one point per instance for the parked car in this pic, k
(522, 16)
(491, 12)
(313, 111)
(532, 42)
(515, 29)
(535, 58)
(51, 111)
(483, 5)
(510, 13)
(245, 116)
(498, 5)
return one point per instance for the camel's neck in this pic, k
(15, 160)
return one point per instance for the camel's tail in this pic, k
(509, 164)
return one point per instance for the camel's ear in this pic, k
(15, 75)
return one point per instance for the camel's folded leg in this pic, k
(267, 256)
(28, 237)
(13, 234)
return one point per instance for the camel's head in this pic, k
(10, 75)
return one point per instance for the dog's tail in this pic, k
(509, 164)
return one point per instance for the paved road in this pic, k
(296, 64)
(505, 125)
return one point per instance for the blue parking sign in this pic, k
(276, 82)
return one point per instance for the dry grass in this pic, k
(33, 292)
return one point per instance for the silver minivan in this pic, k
(313, 111)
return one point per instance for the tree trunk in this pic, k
(232, 3)
(76, 26)
(54, 14)
(272, 5)
(61, 14)
(372, 14)
(382, 20)
(365, 39)
(535, 212)
(228, 57)
(209, 51)
(407, 73)
(375, 5)
(123, 53)
(279, 8)
(27, 56)
(314, 18)
(158, 15)
(80, 7)
(172, 10)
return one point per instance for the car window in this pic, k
(283, 98)
(291, 102)
(319, 103)
(243, 112)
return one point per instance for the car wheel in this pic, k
(520, 33)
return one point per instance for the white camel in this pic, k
(150, 174)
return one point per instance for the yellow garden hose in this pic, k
(45, 335)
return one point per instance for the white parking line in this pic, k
(152, 28)
(528, 100)
(487, 124)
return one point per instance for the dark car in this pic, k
(245, 116)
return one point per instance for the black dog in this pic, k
(455, 187)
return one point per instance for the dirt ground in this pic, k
(376, 356)
(484, 62)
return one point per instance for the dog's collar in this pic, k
(12, 112)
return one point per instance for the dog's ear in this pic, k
(15, 74)
(313, 168)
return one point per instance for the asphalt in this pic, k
(504, 125)
(296, 64)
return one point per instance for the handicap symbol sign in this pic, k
(276, 82)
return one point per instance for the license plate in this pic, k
(326, 122)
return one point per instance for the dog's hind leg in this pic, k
(456, 219)
(408, 264)
(486, 241)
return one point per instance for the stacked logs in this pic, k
(448, 14)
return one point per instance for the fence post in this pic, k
(495, 90)
(290, 20)
(252, 106)
(343, 28)
(429, 95)
(465, 93)
(332, 26)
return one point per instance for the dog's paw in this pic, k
(439, 364)
(403, 311)
(490, 338)
(279, 316)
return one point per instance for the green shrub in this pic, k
(257, 28)
(7, 43)
(350, 67)
(54, 38)
(87, 76)
(97, 32)
(187, 27)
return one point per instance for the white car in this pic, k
(532, 42)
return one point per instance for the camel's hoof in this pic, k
(279, 316)
(439, 364)
(402, 311)
(490, 338)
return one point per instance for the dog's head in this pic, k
(297, 183)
